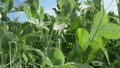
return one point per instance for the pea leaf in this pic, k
(99, 20)
(6, 39)
(10, 4)
(96, 23)
(25, 58)
(93, 50)
(106, 53)
(56, 56)
(110, 31)
(63, 66)
(41, 13)
(82, 37)
(28, 12)
(82, 65)
(28, 47)
(48, 61)
(66, 7)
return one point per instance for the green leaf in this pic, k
(5, 58)
(63, 66)
(83, 65)
(72, 65)
(6, 39)
(34, 4)
(11, 2)
(4, 1)
(1, 33)
(75, 55)
(25, 58)
(34, 13)
(34, 7)
(27, 12)
(95, 46)
(116, 64)
(8, 4)
(48, 61)
(97, 3)
(93, 49)
(82, 37)
(45, 59)
(41, 13)
(110, 31)
(106, 53)
(71, 56)
(75, 24)
(99, 20)
(28, 47)
(96, 23)
(66, 7)
(18, 64)
(39, 52)
(56, 56)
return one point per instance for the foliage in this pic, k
(77, 37)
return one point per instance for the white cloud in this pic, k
(50, 11)
(20, 15)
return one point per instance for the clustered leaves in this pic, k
(81, 35)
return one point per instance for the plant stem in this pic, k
(10, 56)
(1, 54)
(49, 40)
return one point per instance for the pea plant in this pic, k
(81, 35)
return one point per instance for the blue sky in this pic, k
(112, 5)
(49, 4)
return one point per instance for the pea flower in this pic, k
(59, 26)
(84, 7)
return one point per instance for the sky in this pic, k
(110, 5)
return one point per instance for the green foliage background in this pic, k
(78, 37)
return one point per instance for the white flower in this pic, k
(60, 26)
(64, 30)
(84, 7)
(0, 16)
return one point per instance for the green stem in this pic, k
(48, 44)
(2, 60)
(10, 56)
(1, 54)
